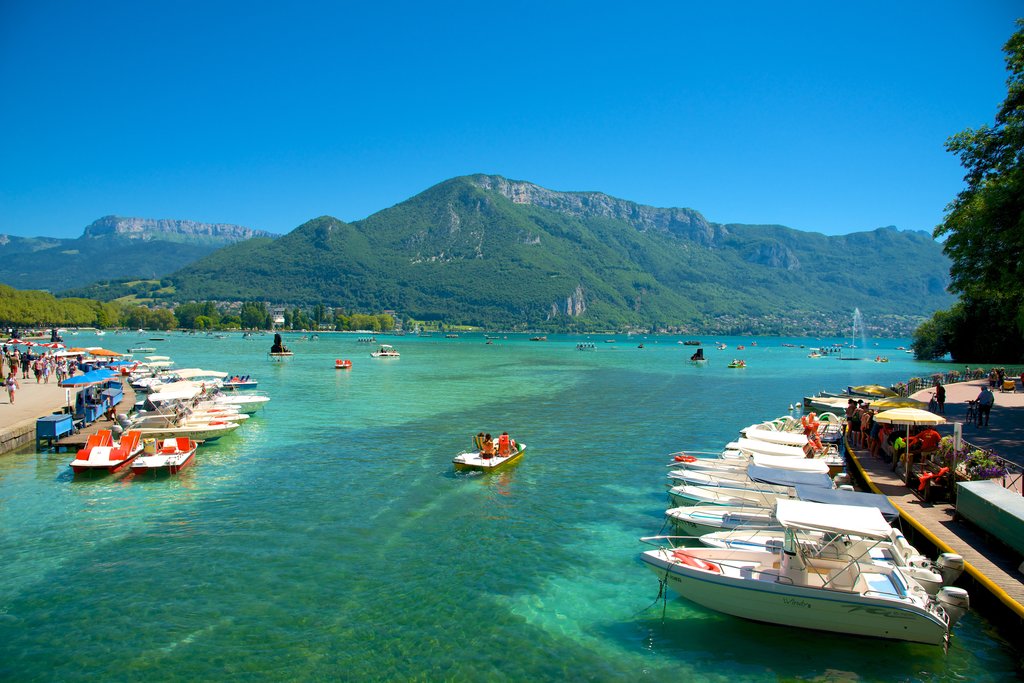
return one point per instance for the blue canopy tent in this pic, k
(89, 378)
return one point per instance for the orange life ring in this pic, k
(696, 562)
(685, 458)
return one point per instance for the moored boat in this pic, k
(165, 456)
(236, 382)
(697, 520)
(103, 455)
(794, 585)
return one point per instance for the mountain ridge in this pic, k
(113, 246)
(485, 250)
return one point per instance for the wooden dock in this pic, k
(997, 583)
(76, 441)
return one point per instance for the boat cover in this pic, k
(767, 448)
(189, 373)
(181, 391)
(854, 520)
(795, 464)
(840, 497)
(770, 475)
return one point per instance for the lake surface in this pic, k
(329, 538)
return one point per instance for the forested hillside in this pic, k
(484, 250)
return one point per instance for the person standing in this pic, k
(940, 397)
(985, 400)
(11, 384)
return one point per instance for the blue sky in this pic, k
(827, 117)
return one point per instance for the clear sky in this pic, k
(822, 116)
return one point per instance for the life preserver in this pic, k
(696, 562)
(504, 446)
(810, 423)
(685, 458)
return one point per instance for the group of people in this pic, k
(489, 447)
(14, 362)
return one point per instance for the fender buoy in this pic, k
(696, 562)
(685, 458)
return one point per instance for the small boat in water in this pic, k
(385, 351)
(239, 382)
(102, 455)
(736, 363)
(278, 350)
(342, 364)
(490, 459)
(165, 456)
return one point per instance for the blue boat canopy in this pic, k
(839, 497)
(772, 475)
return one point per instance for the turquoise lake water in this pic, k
(329, 538)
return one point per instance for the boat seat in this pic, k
(844, 579)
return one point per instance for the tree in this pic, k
(984, 231)
(254, 316)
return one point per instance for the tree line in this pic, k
(30, 308)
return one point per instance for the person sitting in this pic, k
(488, 449)
(504, 445)
(924, 443)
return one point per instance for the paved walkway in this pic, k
(32, 401)
(1005, 431)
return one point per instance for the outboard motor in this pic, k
(841, 479)
(951, 566)
(955, 602)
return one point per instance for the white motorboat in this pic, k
(757, 433)
(385, 351)
(202, 431)
(243, 403)
(757, 479)
(896, 551)
(697, 520)
(795, 586)
(814, 465)
(705, 478)
(755, 447)
(719, 495)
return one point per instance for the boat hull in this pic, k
(151, 466)
(789, 605)
(102, 470)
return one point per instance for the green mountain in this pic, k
(112, 247)
(484, 250)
